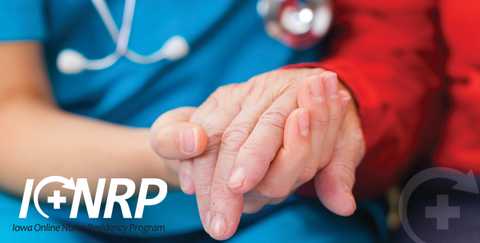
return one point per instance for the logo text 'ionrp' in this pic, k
(93, 206)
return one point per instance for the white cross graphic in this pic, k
(56, 199)
(442, 212)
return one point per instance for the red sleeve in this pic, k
(384, 56)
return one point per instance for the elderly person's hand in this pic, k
(260, 144)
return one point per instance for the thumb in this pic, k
(173, 137)
(334, 188)
(334, 183)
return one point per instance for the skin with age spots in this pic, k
(260, 134)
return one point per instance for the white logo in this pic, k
(93, 206)
(442, 212)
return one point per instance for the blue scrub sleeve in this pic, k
(22, 20)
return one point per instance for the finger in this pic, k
(185, 175)
(215, 124)
(261, 147)
(204, 165)
(186, 168)
(334, 186)
(211, 116)
(335, 115)
(181, 114)
(337, 101)
(334, 183)
(290, 160)
(232, 139)
(311, 96)
(175, 138)
(206, 108)
(252, 205)
(226, 207)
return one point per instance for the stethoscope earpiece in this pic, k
(175, 48)
(71, 62)
(297, 24)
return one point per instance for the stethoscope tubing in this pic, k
(70, 61)
(120, 37)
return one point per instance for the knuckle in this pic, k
(159, 144)
(345, 169)
(234, 137)
(202, 188)
(360, 140)
(335, 116)
(220, 90)
(221, 194)
(251, 209)
(322, 121)
(278, 201)
(307, 174)
(258, 78)
(212, 100)
(229, 89)
(274, 192)
(256, 151)
(275, 118)
(214, 135)
(254, 79)
(264, 80)
(354, 139)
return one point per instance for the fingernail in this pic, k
(188, 141)
(350, 195)
(303, 122)
(238, 178)
(331, 85)
(207, 220)
(316, 88)
(345, 99)
(187, 183)
(218, 226)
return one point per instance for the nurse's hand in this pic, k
(174, 138)
(246, 125)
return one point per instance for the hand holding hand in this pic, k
(245, 124)
(175, 139)
(262, 145)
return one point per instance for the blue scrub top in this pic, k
(228, 44)
(227, 40)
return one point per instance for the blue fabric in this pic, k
(296, 220)
(22, 20)
(227, 40)
(228, 45)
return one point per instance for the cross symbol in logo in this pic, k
(56, 199)
(442, 212)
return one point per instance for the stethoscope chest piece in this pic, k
(297, 24)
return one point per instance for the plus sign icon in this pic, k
(56, 199)
(81, 188)
(442, 212)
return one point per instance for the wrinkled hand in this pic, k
(260, 143)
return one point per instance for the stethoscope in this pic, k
(299, 24)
